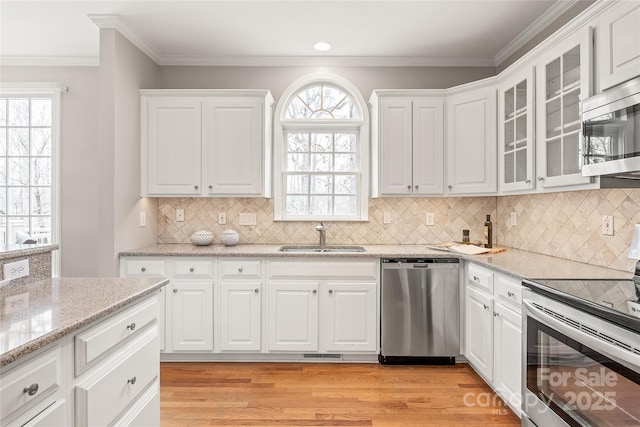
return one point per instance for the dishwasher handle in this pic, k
(425, 264)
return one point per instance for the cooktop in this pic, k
(614, 300)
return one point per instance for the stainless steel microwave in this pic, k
(611, 132)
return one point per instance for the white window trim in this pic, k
(55, 91)
(282, 124)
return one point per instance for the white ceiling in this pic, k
(268, 32)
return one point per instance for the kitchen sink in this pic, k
(316, 248)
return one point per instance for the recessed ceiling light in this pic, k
(322, 46)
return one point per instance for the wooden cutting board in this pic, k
(494, 250)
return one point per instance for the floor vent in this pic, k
(321, 356)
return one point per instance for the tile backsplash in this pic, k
(408, 225)
(566, 225)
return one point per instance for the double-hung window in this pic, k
(28, 146)
(321, 154)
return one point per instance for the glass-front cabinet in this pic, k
(516, 132)
(563, 80)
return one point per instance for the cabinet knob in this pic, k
(450, 187)
(476, 278)
(528, 181)
(486, 307)
(32, 389)
(211, 187)
(256, 290)
(143, 269)
(416, 187)
(240, 270)
(195, 186)
(315, 291)
(540, 178)
(132, 381)
(192, 269)
(175, 291)
(330, 291)
(510, 294)
(495, 314)
(132, 326)
(408, 187)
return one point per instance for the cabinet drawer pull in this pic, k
(195, 186)
(528, 181)
(408, 187)
(476, 278)
(32, 389)
(143, 269)
(132, 326)
(315, 291)
(256, 290)
(510, 294)
(541, 178)
(131, 381)
(450, 187)
(211, 187)
(175, 291)
(330, 291)
(417, 186)
(192, 269)
(496, 314)
(240, 270)
(486, 307)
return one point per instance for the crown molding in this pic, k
(50, 61)
(118, 23)
(544, 20)
(32, 87)
(326, 61)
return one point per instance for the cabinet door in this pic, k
(507, 378)
(171, 143)
(479, 331)
(240, 315)
(471, 142)
(428, 146)
(349, 316)
(192, 315)
(396, 147)
(293, 316)
(233, 146)
(619, 44)
(515, 129)
(563, 79)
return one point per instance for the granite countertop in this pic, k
(36, 314)
(19, 250)
(514, 262)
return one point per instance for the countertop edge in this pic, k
(44, 340)
(27, 251)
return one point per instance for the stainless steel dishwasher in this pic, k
(420, 311)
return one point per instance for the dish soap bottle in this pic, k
(488, 233)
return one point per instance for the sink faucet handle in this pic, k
(320, 226)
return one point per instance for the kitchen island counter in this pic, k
(514, 262)
(36, 314)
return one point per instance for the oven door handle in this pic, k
(618, 354)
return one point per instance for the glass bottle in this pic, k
(488, 233)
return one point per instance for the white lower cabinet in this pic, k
(323, 306)
(240, 315)
(191, 313)
(493, 331)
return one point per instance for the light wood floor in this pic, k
(318, 394)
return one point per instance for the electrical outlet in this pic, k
(607, 225)
(387, 218)
(143, 219)
(514, 219)
(15, 270)
(429, 218)
(179, 215)
(222, 218)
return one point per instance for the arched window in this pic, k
(321, 151)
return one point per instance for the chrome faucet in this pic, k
(323, 239)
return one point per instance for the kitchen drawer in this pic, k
(144, 267)
(192, 269)
(29, 383)
(240, 269)
(94, 343)
(104, 395)
(54, 415)
(508, 291)
(337, 269)
(480, 276)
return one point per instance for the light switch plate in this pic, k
(386, 219)
(179, 215)
(514, 219)
(15, 270)
(143, 219)
(430, 219)
(607, 225)
(222, 218)
(247, 219)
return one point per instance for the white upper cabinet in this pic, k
(206, 143)
(171, 144)
(515, 128)
(618, 37)
(471, 141)
(408, 143)
(563, 80)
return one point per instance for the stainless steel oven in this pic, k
(582, 363)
